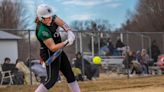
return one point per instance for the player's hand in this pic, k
(71, 38)
(68, 42)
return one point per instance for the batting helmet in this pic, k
(44, 11)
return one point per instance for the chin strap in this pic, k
(66, 27)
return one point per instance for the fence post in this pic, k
(163, 44)
(142, 42)
(150, 47)
(92, 44)
(81, 50)
(29, 60)
(121, 37)
(99, 43)
(76, 42)
(126, 51)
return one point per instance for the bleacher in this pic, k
(112, 63)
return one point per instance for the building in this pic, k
(8, 46)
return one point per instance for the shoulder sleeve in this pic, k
(44, 34)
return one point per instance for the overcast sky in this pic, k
(114, 11)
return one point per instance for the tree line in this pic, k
(148, 17)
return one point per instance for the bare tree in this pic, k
(148, 17)
(13, 15)
(91, 25)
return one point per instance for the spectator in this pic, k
(138, 56)
(90, 70)
(8, 66)
(136, 67)
(39, 71)
(17, 75)
(110, 47)
(102, 42)
(104, 50)
(78, 74)
(7, 60)
(145, 61)
(128, 59)
(131, 62)
(155, 52)
(119, 46)
(119, 43)
(26, 71)
(134, 63)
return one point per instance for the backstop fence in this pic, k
(89, 43)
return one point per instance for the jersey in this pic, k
(44, 32)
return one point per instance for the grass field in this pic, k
(103, 84)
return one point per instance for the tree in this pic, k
(148, 17)
(14, 16)
(91, 25)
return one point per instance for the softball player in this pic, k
(50, 41)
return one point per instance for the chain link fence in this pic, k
(89, 43)
(93, 41)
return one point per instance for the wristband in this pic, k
(66, 27)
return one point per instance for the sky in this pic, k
(115, 11)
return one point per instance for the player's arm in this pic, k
(52, 46)
(47, 39)
(62, 24)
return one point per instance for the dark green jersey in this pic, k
(44, 32)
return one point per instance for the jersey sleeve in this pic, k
(44, 34)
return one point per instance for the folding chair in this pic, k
(6, 75)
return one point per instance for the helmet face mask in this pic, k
(44, 11)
